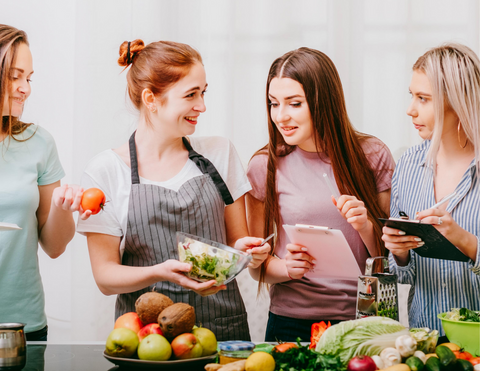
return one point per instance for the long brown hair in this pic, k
(334, 135)
(156, 67)
(10, 39)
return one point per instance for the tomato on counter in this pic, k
(283, 347)
(463, 355)
(475, 361)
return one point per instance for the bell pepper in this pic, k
(317, 331)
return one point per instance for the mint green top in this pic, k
(23, 167)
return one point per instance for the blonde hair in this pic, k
(453, 71)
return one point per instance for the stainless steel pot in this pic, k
(13, 347)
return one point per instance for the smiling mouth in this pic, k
(192, 119)
(289, 128)
(18, 100)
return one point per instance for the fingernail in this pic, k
(417, 239)
(421, 244)
(304, 249)
(314, 262)
(401, 233)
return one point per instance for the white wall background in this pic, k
(79, 90)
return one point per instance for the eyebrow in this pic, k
(20, 70)
(420, 93)
(288, 98)
(196, 88)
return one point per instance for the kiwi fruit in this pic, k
(149, 305)
(176, 319)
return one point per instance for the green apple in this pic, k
(154, 347)
(207, 339)
(122, 342)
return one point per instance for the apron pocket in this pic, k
(232, 328)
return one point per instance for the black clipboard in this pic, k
(436, 245)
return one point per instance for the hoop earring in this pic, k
(458, 137)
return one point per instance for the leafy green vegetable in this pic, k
(468, 315)
(463, 314)
(366, 336)
(305, 359)
(207, 263)
(426, 339)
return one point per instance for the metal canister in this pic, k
(377, 293)
(13, 346)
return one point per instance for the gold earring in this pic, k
(458, 137)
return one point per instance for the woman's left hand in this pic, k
(353, 210)
(252, 246)
(68, 198)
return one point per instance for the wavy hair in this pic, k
(10, 39)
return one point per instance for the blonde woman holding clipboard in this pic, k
(445, 109)
(309, 135)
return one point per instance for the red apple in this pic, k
(151, 328)
(129, 320)
(186, 346)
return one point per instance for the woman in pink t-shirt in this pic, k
(309, 135)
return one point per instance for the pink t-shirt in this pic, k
(304, 198)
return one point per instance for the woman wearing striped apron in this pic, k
(159, 183)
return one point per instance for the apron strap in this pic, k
(133, 159)
(206, 167)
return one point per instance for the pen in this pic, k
(330, 186)
(443, 200)
(266, 239)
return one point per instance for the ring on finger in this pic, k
(440, 221)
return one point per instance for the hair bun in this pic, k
(129, 51)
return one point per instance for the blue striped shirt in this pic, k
(437, 285)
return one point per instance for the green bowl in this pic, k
(465, 334)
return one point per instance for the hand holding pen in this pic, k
(434, 211)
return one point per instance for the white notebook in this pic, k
(328, 247)
(8, 226)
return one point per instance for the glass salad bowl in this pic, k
(210, 260)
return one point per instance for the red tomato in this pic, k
(283, 347)
(475, 361)
(463, 355)
(93, 199)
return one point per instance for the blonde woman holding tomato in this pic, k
(30, 193)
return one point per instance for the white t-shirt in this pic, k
(108, 172)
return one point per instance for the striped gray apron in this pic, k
(155, 214)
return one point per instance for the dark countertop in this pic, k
(45, 356)
(42, 356)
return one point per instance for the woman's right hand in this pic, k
(297, 261)
(173, 271)
(399, 244)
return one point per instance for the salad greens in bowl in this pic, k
(210, 260)
(462, 327)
